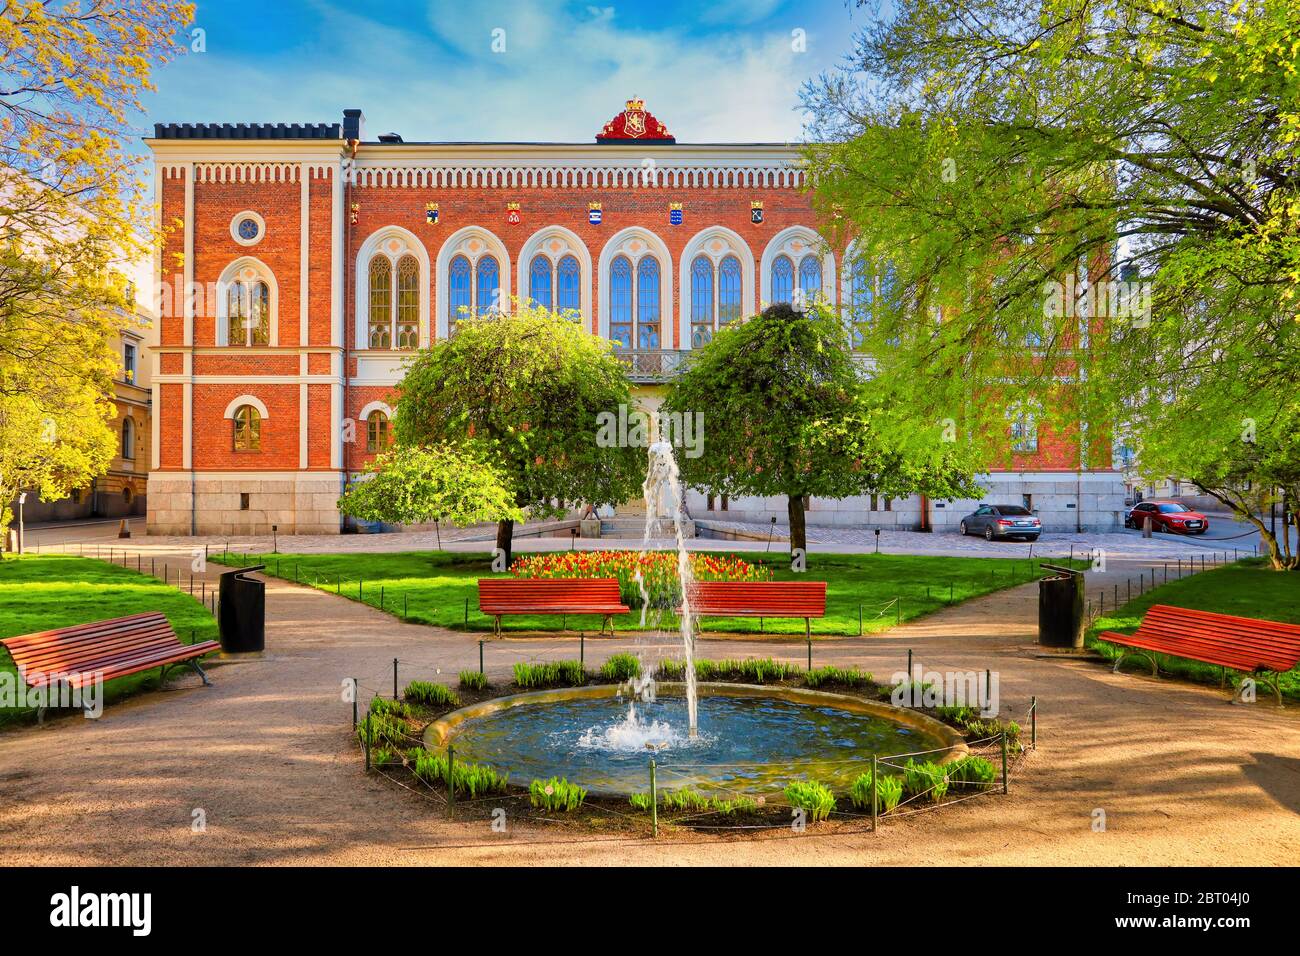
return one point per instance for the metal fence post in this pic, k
(394, 678)
(480, 656)
(1005, 789)
(859, 620)
(582, 647)
(354, 702)
(451, 782)
(875, 790)
(654, 801)
(1033, 723)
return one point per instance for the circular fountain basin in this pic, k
(751, 739)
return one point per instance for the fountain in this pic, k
(662, 482)
(755, 738)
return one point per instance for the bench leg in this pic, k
(607, 623)
(1155, 671)
(496, 626)
(195, 664)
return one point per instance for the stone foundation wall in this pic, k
(1062, 502)
(294, 503)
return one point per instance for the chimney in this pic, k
(354, 124)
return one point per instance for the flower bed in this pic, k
(657, 568)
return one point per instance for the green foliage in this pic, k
(837, 676)
(971, 771)
(380, 729)
(641, 801)
(690, 799)
(816, 798)
(473, 680)
(528, 387)
(956, 715)
(430, 694)
(621, 667)
(384, 756)
(762, 670)
(788, 415)
(409, 485)
(984, 154)
(926, 778)
(556, 794)
(550, 674)
(889, 789)
(386, 706)
(472, 779)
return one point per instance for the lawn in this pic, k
(1246, 589)
(40, 592)
(438, 587)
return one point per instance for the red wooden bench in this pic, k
(78, 655)
(501, 596)
(1257, 647)
(805, 599)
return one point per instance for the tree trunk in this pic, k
(798, 533)
(505, 537)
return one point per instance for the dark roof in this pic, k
(248, 131)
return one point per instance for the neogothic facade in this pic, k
(316, 261)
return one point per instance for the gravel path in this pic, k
(266, 754)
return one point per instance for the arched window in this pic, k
(569, 285)
(620, 302)
(128, 439)
(248, 429)
(729, 291)
(810, 277)
(408, 303)
(377, 437)
(701, 302)
(381, 303)
(782, 280)
(393, 303)
(647, 303)
(459, 299)
(539, 281)
(868, 288)
(248, 313)
(488, 286)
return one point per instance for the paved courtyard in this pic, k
(1183, 776)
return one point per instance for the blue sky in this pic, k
(713, 71)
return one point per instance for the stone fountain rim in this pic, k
(438, 732)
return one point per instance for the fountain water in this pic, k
(663, 498)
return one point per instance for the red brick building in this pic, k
(316, 261)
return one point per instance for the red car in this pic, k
(1167, 516)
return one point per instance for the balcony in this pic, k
(652, 365)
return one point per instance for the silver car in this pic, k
(1002, 521)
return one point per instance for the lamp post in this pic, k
(275, 541)
(22, 498)
(877, 541)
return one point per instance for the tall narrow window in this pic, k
(620, 302)
(701, 302)
(861, 299)
(128, 439)
(782, 280)
(728, 290)
(248, 429)
(376, 432)
(381, 303)
(647, 305)
(488, 282)
(1024, 433)
(408, 303)
(248, 313)
(128, 361)
(810, 277)
(236, 314)
(459, 275)
(569, 285)
(539, 281)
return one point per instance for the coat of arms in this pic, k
(593, 213)
(756, 211)
(513, 216)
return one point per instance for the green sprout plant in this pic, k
(556, 794)
(430, 694)
(473, 680)
(813, 797)
(621, 667)
(889, 790)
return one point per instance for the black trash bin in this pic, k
(1060, 608)
(241, 613)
